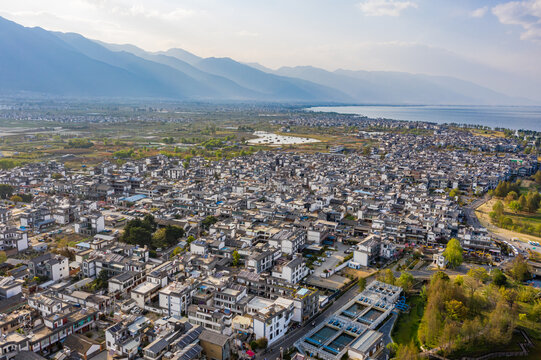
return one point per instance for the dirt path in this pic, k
(482, 213)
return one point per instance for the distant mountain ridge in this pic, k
(34, 60)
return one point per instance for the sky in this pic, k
(495, 43)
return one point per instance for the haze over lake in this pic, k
(512, 117)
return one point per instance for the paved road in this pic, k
(291, 337)
(472, 219)
(469, 211)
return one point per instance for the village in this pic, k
(256, 256)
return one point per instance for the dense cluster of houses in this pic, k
(243, 270)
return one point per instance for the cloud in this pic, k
(142, 11)
(246, 33)
(526, 14)
(479, 13)
(385, 7)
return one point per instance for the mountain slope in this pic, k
(35, 60)
(169, 78)
(183, 55)
(395, 87)
(278, 88)
(226, 88)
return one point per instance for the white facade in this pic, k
(60, 269)
(175, 298)
(271, 319)
(13, 239)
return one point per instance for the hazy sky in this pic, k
(496, 43)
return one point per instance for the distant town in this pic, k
(183, 232)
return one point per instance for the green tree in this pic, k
(262, 343)
(407, 352)
(532, 201)
(208, 222)
(515, 206)
(498, 209)
(16, 198)
(387, 276)
(523, 202)
(236, 258)
(453, 253)
(511, 196)
(177, 251)
(3, 257)
(405, 281)
(453, 193)
(498, 277)
(6, 191)
(101, 281)
(455, 309)
(479, 273)
(520, 270)
(537, 177)
(362, 283)
(167, 236)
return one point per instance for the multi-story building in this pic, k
(90, 224)
(11, 238)
(53, 267)
(175, 298)
(271, 318)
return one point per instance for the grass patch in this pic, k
(407, 324)
(481, 349)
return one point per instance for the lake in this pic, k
(511, 117)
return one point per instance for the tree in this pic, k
(236, 258)
(167, 236)
(405, 281)
(498, 209)
(519, 269)
(208, 222)
(511, 196)
(478, 273)
(523, 202)
(393, 348)
(3, 257)
(453, 253)
(101, 281)
(532, 201)
(16, 198)
(262, 343)
(407, 352)
(139, 232)
(453, 193)
(515, 206)
(537, 177)
(6, 191)
(362, 283)
(176, 251)
(387, 276)
(498, 277)
(474, 280)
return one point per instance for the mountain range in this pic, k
(37, 61)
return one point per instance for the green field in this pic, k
(405, 329)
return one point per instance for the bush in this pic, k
(262, 343)
(79, 144)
